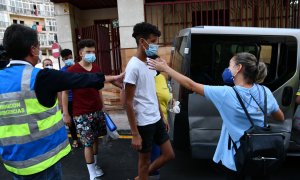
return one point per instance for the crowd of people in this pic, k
(36, 104)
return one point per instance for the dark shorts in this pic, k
(153, 133)
(90, 127)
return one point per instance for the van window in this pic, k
(210, 55)
(181, 44)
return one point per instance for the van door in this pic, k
(210, 55)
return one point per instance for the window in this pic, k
(15, 21)
(22, 22)
(177, 63)
(210, 55)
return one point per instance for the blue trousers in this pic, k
(52, 173)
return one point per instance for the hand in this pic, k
(67, 119)
(136, 142)
(167, 126)
(118, 80)
(158, 64)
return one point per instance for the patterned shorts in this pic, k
(90, 127)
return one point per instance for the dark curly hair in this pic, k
(143, 30)
(86, 43)
(65, 53)
(18, 41)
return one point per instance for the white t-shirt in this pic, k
(145, 103)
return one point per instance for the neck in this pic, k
(240, 81)
(141, 54)
(84, 63)
(29, 60)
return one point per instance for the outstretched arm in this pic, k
(161, 65)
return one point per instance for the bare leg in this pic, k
(144, 162)
(95, 146)
(167, 154)
(89, 155)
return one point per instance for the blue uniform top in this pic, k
(235, 121)
(64, 69)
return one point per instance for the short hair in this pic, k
(144, 30)
(86, 43)
(47, 59)
(18, 40)
(65, 53)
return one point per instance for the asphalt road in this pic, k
(119, 162)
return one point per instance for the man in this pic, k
(67, 58)
(33, 138)
(143, 111)
(87, 108)
(47, 63)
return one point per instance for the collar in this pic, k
(18, 62)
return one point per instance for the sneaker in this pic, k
(99, 171)
(154, 177)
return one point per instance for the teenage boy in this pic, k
(87, 108)
(67, 57)
(143, 111)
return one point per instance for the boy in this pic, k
(87, 108)
(144, 114)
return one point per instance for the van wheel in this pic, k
(181, 132)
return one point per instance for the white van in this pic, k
(202, 53)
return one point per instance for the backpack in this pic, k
(261, 149)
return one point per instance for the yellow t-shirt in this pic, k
(163, 94)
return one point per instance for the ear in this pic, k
(81, 53)
(239, 67)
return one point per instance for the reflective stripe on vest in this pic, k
(23, 120)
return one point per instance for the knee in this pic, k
(169, 155)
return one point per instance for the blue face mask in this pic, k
(227, 76)
(152, 50)
(90, 58)
(69, 62)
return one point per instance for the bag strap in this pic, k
(243, 106)
(265, 106)
(248, 116)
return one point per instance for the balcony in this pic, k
(46, 39)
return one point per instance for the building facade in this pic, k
(110, 22)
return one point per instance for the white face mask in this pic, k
(49, 67)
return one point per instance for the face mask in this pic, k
(152, 50)
(40, 56)
(227, 76)
(90, 58)
(49, 67)
(69, 62)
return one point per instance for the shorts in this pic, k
(90, 127)
(153, 133)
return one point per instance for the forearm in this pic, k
(131, 119)
(65, 102)
(101, 99)
(185, 81)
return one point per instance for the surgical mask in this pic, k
(69, 62)
(40, 56)
(152, 50)
(227, 76)
(49, 67)
(90, 58)
(176, 108)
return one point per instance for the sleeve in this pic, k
(271, 102)
(49, 82)
(216, 94)
(131, 75)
